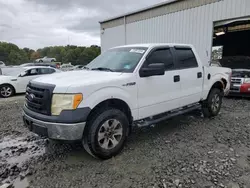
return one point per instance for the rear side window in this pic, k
(46, 71)
(186, 58)
(161, 56)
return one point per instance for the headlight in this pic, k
(247, 80)
(62, 102)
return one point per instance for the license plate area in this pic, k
(40, 130)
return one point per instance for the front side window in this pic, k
(164, 56)
(32, 72)
(118, 59)
(186, 58)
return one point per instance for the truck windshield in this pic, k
(118, 59)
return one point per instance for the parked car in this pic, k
(39, 64)
(46, 59)
(66, 67)
(128, 85)
(2, 64)
(14, 80)
(240, 81)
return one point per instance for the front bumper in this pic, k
(56, 131)
(68, 126)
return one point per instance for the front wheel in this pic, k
(211, 107)
(106, 133)
(6, 91)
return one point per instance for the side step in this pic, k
(156, 119)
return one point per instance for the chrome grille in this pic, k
(236, 81)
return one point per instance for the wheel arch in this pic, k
(115, 103)
(218, 85)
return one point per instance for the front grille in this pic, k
(38, 98)
(236, 81)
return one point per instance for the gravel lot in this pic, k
(187, 151)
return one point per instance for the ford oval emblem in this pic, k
(31, 97)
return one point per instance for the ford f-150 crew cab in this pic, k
(128, 85)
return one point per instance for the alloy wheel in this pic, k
(110, 134)
(6, 91)
(215, 102)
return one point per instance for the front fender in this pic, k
(103, 94)
(214, 78)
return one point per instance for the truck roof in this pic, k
(150, 45)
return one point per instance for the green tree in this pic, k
(12, 55)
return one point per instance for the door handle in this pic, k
(199, 75)
(176, 78)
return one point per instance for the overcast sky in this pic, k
(40, 23)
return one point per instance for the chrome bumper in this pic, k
(57, 131)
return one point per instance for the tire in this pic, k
(6, 91)
(211, 107)
(106, 133)
(52, 60)
(40, 61)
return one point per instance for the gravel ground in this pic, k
(186, 151)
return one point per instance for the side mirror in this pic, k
(155, 69)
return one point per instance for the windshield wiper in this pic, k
(103, 69)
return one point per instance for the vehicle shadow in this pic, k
(75, 153)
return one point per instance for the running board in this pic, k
(150, 121)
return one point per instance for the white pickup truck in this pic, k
(128, 85)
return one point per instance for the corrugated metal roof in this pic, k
(140, 10)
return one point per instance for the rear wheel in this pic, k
(106, 133)
(6, 91)
(211, 107)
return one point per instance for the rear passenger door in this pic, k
(191, 75)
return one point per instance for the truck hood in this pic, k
(80, 77)
(241, 73)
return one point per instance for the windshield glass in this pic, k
(118, 59)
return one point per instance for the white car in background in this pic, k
(67, 67)
(46, 59)
(14, 80)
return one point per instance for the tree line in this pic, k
(11, 54)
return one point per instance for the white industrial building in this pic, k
(203, 23)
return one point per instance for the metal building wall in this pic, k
(194, 26)
(114, 36)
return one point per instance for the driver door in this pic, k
(24, 80)
(159, 94)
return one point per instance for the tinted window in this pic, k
(46, 71)
(32, 72)
(161, 56)
(186, 58)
